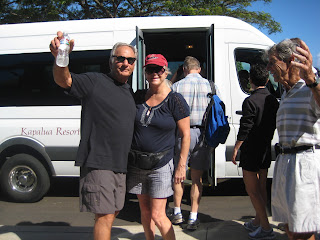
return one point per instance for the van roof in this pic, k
(158, 22)
(12, 35)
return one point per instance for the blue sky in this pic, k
(298, 19)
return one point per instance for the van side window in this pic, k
(244, 58)
(27, 80)
(243, 76)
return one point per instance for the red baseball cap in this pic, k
(156, 59)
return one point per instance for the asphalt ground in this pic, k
(222, 213)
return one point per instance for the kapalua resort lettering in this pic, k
(35, 131)
(62, 131)
(45, 132)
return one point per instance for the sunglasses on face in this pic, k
(158, 69)
(121, 59)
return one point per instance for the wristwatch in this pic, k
(315, 83)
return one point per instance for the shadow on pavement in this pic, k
(224, 230)
(131, 210)
(47, 223)
(41, 231)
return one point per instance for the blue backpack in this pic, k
(215, 121)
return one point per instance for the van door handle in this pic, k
(239, 112)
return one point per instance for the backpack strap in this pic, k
(213, 88)
(210, 104)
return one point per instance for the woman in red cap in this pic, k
(160, 112)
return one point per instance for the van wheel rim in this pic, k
(22, 179)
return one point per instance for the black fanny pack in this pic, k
(145, 160)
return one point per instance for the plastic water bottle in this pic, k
(62, 59)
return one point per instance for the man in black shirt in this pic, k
(107, 121)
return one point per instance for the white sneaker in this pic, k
(259, 233)
(250, 226)
(177, 219)
(193, 224)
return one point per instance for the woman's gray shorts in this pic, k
(101, 191)
(156, 183)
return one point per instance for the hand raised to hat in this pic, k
(305, 63)
(306, 72)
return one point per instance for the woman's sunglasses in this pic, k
(130, 60)
(158, 69)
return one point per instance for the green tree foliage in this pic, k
(14, 11)
(232, 8)
(31, 11)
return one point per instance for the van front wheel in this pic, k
(24, 179)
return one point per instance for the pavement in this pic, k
(219, 230)
(58, 218)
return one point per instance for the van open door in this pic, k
(210, 76)
(210, 53)
(141, 81)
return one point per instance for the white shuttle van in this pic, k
(40, 124)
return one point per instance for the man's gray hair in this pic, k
(121, 44)
(191, 63)
(284, 49)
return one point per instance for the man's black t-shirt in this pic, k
(107, 121)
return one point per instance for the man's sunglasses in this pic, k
(130, 60)
(158, 69)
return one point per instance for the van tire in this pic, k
(24, 179)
